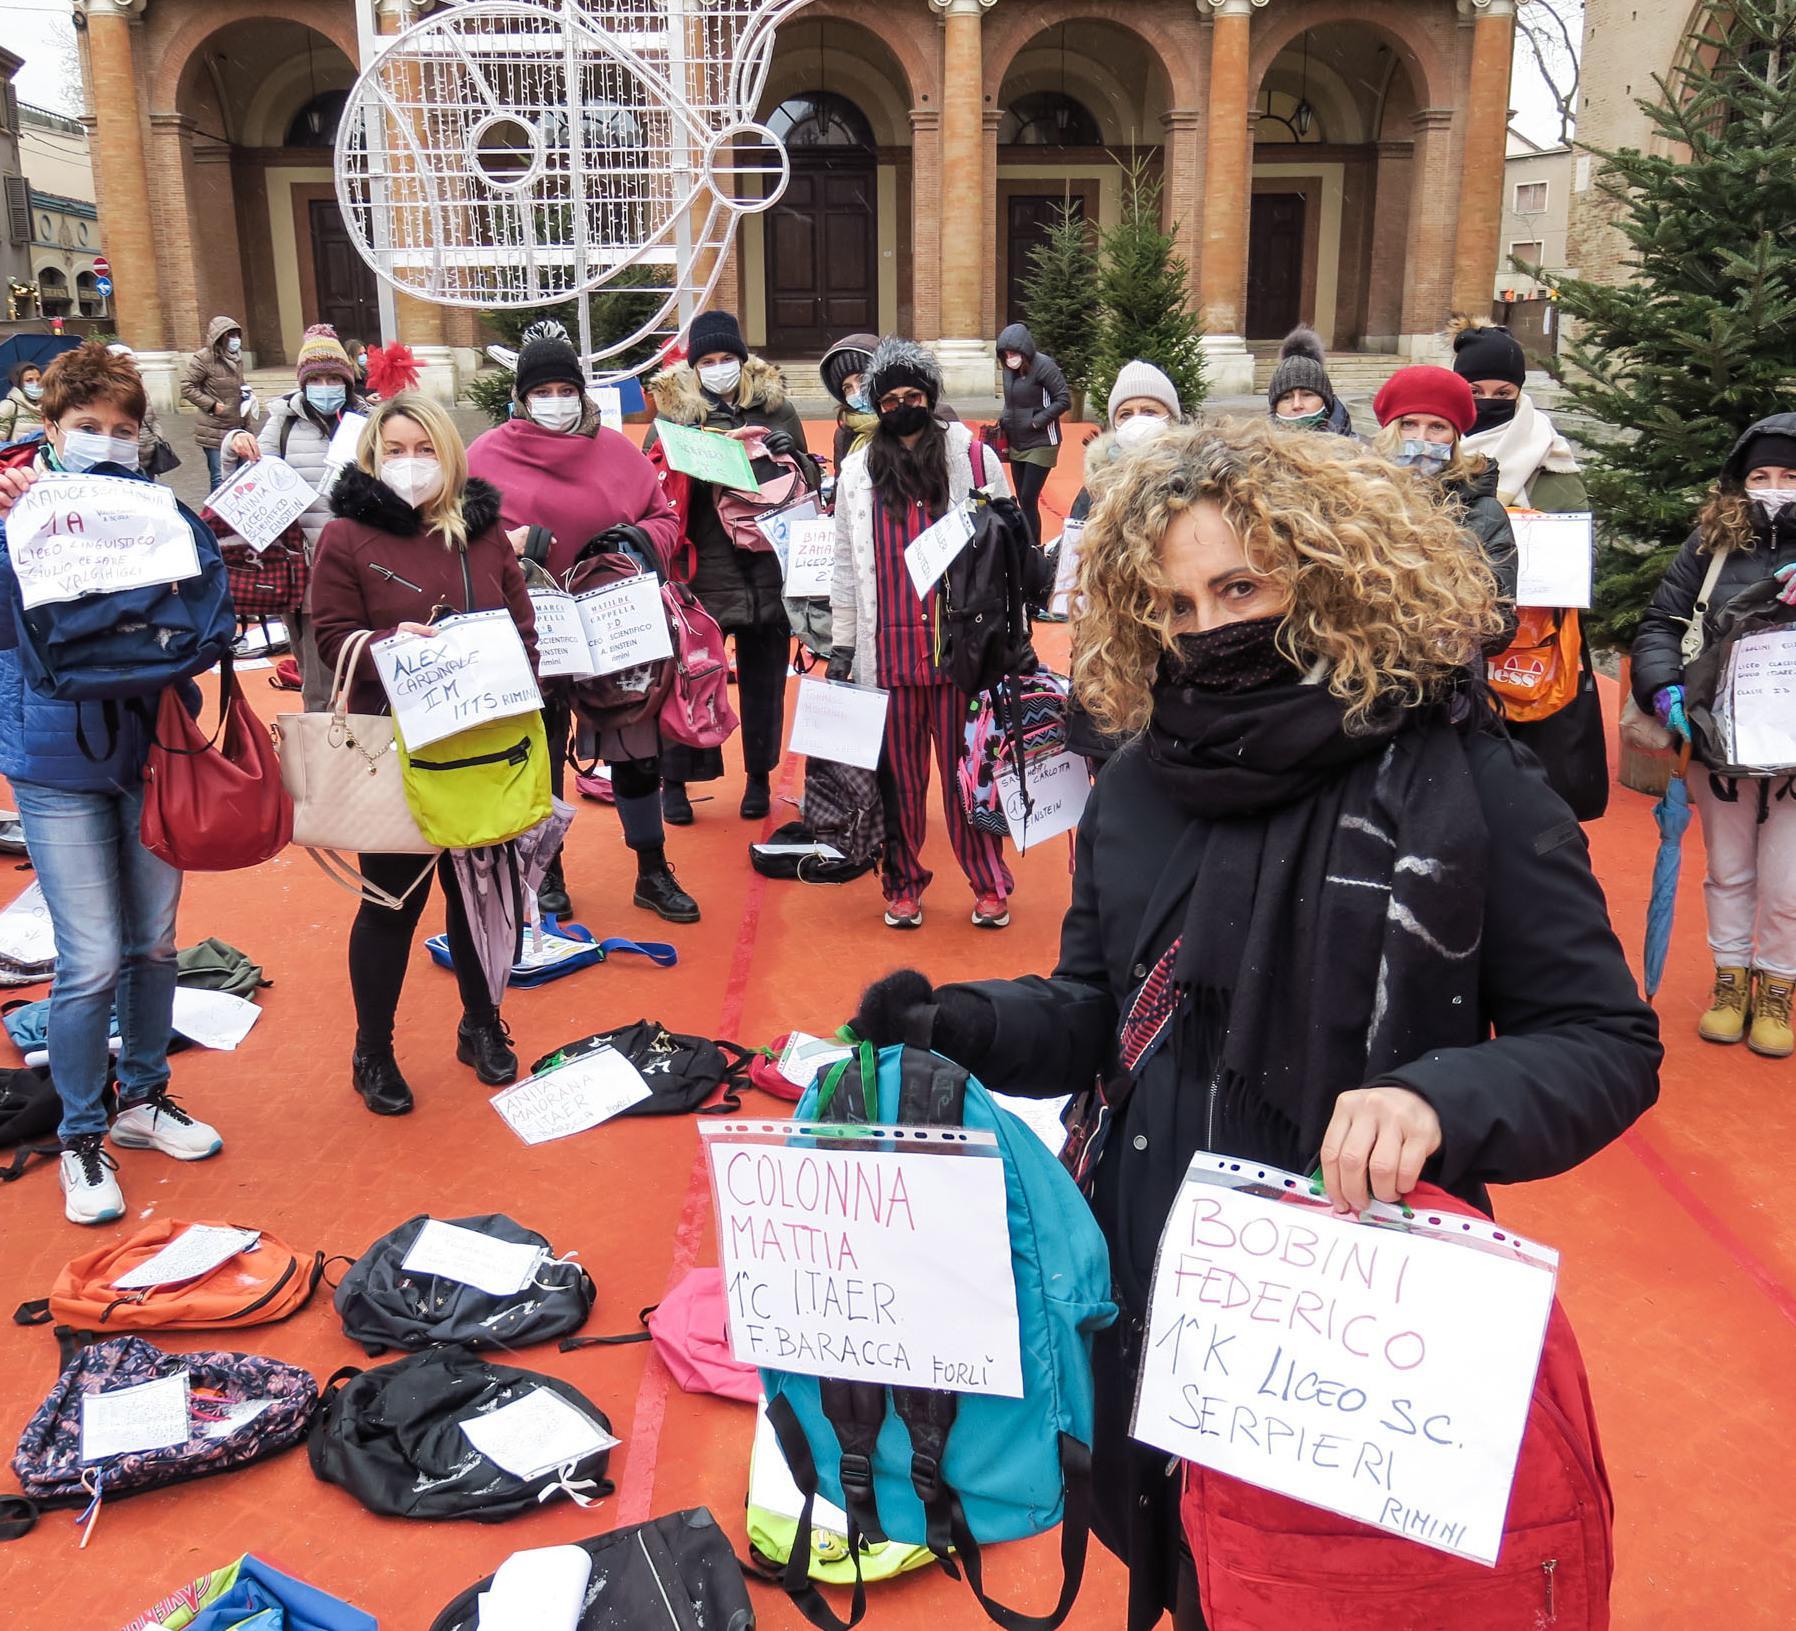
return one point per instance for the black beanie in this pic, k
(1489, 352)
(715, 331)
(1769, 448)
(547, 357)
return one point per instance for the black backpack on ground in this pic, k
(384, 1305)
(682, 1071)
(676, 1571)
(842, 808)
(30, 1112)
(392, 1437)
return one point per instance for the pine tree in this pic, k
(1147, 309)
(1702, 340)
(1060, 297)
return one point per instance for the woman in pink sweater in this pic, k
(559, 470)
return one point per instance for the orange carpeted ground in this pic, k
(1679, 1262)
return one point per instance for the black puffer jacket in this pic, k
(1035, 396)
(1658, 658)
(1488, 522)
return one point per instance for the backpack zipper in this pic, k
(1546, 1569)
(517, 754)
(1210, 1108)
(393, 577)
(666, 1602)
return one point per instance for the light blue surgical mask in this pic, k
(83, 449)
(857, 401)
(34, 390)
(327, 396)
(1428, 457)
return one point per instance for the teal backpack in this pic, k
(954, 1471)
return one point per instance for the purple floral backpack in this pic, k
(240, 1408)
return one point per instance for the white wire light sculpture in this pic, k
(508, 154)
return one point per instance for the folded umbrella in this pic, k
(1672, 813)
(498, 886)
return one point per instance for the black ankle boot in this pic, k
(481, 1040)
(375, 1074)
(757, 799)
(676, 808)
(553, 896)
(659, 892)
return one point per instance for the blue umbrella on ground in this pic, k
(1672, 813)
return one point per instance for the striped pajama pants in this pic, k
(919, 718)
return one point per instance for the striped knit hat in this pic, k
(321, 356)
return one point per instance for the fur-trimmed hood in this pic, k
(363, 498)
(678, 395)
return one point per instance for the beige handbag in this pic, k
(343, 773)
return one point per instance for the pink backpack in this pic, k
(741, 513)
(697, 708)
(692, 1340)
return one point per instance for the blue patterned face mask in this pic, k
(1428, 457)
(1302, 421)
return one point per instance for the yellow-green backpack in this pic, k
(481, 786)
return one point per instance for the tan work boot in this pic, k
(1771, 1017)
(1726, 1019)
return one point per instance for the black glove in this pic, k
(964, 1025)
(841, 665)
(779, 443)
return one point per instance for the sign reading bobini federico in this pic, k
(870, 1254)
(1381, 1367)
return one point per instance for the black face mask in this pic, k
(1493, 411)
(1230, 657)
(905, 421)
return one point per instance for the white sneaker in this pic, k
(161, 1124)
(90, 1192)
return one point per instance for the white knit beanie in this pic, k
(1140, 378)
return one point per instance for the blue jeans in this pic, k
(112, 904)
(214, 466)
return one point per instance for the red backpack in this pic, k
(1266, 1562)
(697, 711)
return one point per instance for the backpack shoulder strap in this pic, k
(287, 425)
(1696, 633)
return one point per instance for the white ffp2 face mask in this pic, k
(554, 412)
(719, 378)
(417, 481)
(1142, 427)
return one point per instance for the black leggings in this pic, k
(1028, 480)
(380, 944)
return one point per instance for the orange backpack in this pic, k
(1537, 673)
(256, 1287)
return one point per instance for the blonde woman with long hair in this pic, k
(1324, 913)
(412, 533)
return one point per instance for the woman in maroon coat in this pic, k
(412, 534)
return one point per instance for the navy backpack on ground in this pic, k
(953, 1471)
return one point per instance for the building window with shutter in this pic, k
(1530, 197)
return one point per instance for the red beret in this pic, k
(1425, 389)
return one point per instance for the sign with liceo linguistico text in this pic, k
(1379, 1366)
(871, 1254)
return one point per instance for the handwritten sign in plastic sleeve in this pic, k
(196, 1251)
(129, 1420)
(1760, 700)
(1381, 1369)
(625, 623)
(928, 555)
(810, 558)
(343, 443)
(1066, 570)
(1554, 559)
(835, 720)
(881, 1258)
(71, 536)
(262, 499)
(610, 402)
(448, 1250)
(777, 528)
(571, 1097)
(707, 455)
(1057, 792)
(472, 668)
(560, 635)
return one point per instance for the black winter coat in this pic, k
(1574, 1060)
(1488, 522)
(741, 588)
(1035, 396)
(1658, 658)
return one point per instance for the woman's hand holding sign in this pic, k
(1376, 1145)
(13, 485)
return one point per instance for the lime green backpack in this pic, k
(481, 786)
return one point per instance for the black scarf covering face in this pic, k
(1332, 933)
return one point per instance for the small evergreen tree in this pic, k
(1147, 307)
(1702, 340)
(1060, 295)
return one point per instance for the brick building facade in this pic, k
(1333, 161)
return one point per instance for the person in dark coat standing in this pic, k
(1300, 395)
(1035, 397)
(1745, 535)
(411, 532)
(724, 388)
(1427, 986)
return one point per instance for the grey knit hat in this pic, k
(1140, 378)
(897, 363)
(1300, 368)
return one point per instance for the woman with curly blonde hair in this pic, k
(1323, 912)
